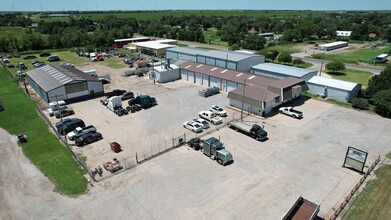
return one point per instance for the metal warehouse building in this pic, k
(261, 94)
(68, 83)
(333, 88)
(226, 59)
(333, 46)
(281, 71)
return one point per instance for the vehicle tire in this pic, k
(257, 138)
(219, 161)
(280, 111)
(184, 126)
(294, 116)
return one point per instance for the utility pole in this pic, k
(321, 67)
(244, 91)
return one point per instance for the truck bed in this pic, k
(240, 125)
(302, 209)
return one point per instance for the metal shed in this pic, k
(279, 71)
(333, 88)
(225, 59)
(67, 83)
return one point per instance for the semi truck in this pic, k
(213, 148)
(114, 103)
(79, 131)
(253, 130)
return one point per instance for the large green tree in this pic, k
(379, 82)
(335, 66)
(285, 57)
(253, 42)
(382, 100)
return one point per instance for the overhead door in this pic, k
(198, 79)
(184, 74)
(221, 63)
(190, 77)
(200, 59)
(214, 82)
(205, 80)
(210, 61)
(231, 86)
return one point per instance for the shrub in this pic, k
(297, 61)
(360, 103)
(335, 66)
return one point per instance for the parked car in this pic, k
(10, 65)
(193, 126)
(104, 80)
(218, 110)
(66, 64)
(204, 124)
(53, 58)
(64, 113)
(6, 60)
(291, 112)
(38, 64)
(21, 66)
(29, 57)
(127, 95)
(88, 138)
(44, 54)
(20, 73)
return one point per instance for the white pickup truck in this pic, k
(291, 112)
(210, 116)
(78, 132)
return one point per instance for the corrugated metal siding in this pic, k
(183, 74)
(246, 64)
(231, 86)
(231, 65)
(190, 76)
(211, 61)
(201, 59)
(205, 80)
(198, 79)
(221, 63)
(330, 92)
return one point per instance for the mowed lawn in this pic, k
(43, 148)
(361, 55)
(350, 75)
(374, 202)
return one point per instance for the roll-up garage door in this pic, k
(214, 82)
(205, 80)
(198, 79)
(184, 74)
(190, 76)
(231, 86)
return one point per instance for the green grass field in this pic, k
(374, 202)
(361, 55)
(43, 148)
(8, 32)
(350, 75)
(211, 37)
(286, 48)
(65, 56)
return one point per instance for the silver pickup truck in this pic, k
(291, 112)
(78, 132)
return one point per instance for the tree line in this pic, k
(81, 31)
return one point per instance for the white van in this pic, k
(93, 57)
(91, 72)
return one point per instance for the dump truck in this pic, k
(253, 130)
(113, 166)
(302, 209)
(213, 148)
(79, 131)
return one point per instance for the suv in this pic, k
(127, 95)
(218, 110)
(29, 57)
(88, 138)
(53, 58)
(64, 112)
(69, 125)
(44, 54)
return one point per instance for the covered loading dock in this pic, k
(282, 71)
(333, 88)
(53, 82)
(225, 59)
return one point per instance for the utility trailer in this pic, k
(209, 91)
(254, 130)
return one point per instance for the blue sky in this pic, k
(85, 5)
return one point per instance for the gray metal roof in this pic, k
(282, 69)
(50, 77)
(332, 83)
(218, 54)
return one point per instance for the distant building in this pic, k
(279, 71)
(67, 83)
(333, 46)
(220, 58)
(155, 48)
(333, 88)
(120, 43)
(58, 15)
(267, 36)
(382, 58)
(372, 35)
(346, 34)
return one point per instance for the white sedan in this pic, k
(192, 126)
(218, 110)
(204, 124)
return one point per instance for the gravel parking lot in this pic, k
(302, 157)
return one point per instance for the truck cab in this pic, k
(214, 149)
(259, 132)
